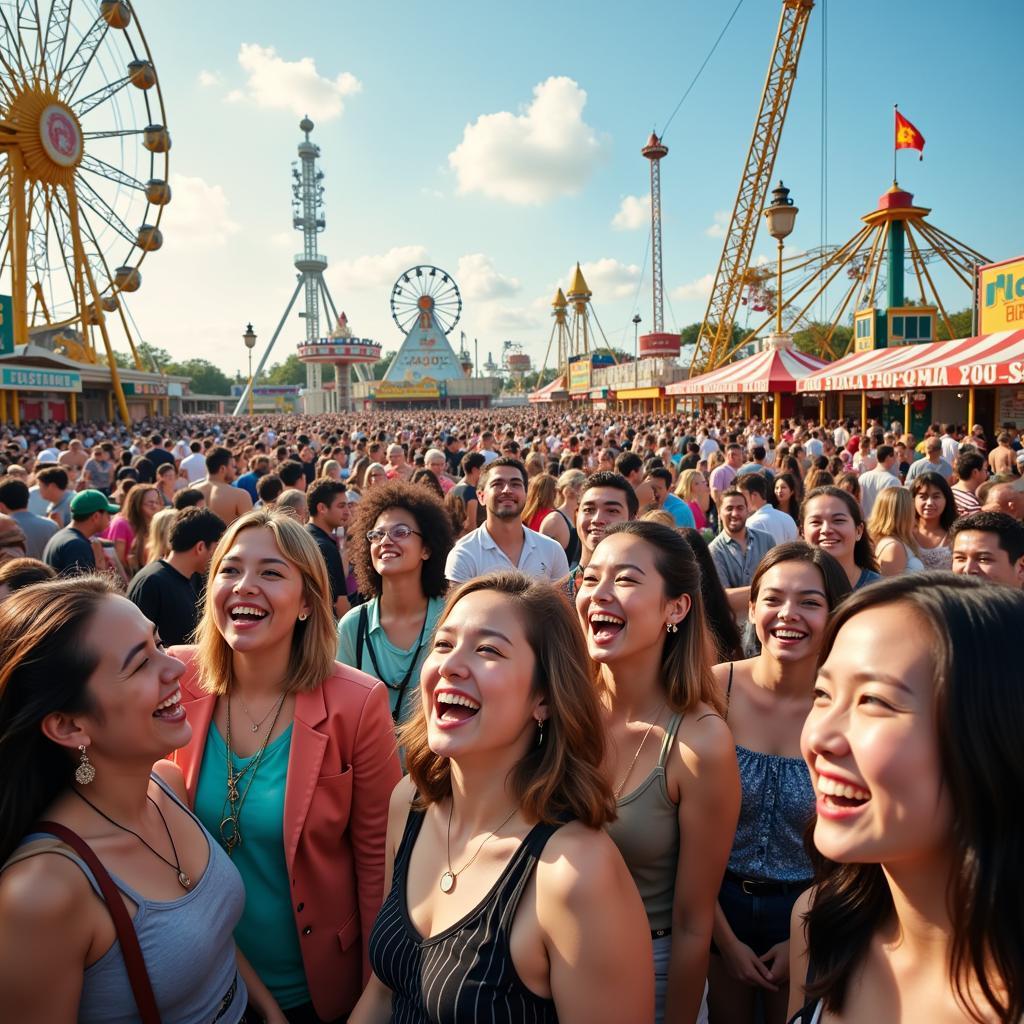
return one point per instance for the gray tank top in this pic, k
(187, 944)
(647, 835)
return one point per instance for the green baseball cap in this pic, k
(85, 503)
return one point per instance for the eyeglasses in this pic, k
(398, 532)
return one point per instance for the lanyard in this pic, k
(364, 637)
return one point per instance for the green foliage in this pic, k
(960, 321)
(811, 339)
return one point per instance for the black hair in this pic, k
(269, 488)
(863, 549)
(720, 617)
(605, 478)
(323, 492)
(432, 518)
(290, 472)
(1008, 530)
(187, 497)
(968, 462)
(53, 475)
(23, 572)
(425, 478)
(753, 483)
(837, 583)
(940, 483)
(218, 458)
(627, 463)
(195, 525)
(979, 718)
(14, 493)
(660, 473)
(509, 461)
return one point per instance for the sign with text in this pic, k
(1001, 296)
(6, 326)
(144, 388)
(30, 378)
(579, 374)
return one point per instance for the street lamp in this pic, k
(250, 343)
(781, 217)
(636, 350)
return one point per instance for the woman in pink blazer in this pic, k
(291, 765)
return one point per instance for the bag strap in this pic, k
(362, 629)
(131, 951)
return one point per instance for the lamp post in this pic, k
(781, 217)
(636, 350)
(250, 343)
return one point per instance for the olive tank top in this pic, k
(647, 835)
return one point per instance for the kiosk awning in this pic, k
(774, 370)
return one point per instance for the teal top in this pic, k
(392, 663)
(266, 933)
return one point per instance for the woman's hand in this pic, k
(777, 961)
(747, 967)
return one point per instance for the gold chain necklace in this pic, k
(255, 727)
(449, 878)
(636, 756)
(230, 832)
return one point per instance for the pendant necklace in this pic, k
(183, 880)
(255, 726)
(449, 878)
(636, 756)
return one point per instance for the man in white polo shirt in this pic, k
(503, 542)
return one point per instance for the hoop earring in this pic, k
(671, 627)
(303, 616)
(86, 771)
(540, 732)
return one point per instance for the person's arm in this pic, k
(554, 527)
(472, 507)
(376, 771)
(892, 557)
(595, 932)
(46, 935)
(459, 567)
(709, 808)
(559, 567)
(798, 960)
(374, 1006)
(740, 960)
(347, 641)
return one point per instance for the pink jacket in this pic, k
(342, 768)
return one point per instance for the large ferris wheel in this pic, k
(84, 180)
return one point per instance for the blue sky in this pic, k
(418, 168)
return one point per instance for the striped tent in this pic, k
(775, 370)
(987, 360)
(553, 392)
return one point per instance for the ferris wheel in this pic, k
(84, 133)
(423, 290)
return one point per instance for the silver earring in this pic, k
(540, 732)
(671, 627)
(303, 616)
(85, 772)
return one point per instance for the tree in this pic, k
(381, 366)
(206, 379)
(962, 322)
(811, 339)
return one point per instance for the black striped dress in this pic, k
(464, 975)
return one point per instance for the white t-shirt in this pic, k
(770, 520)
(194, 467)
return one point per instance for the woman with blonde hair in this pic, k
(693, 489)
(290, 764)
(540, 500)
(560, 524)
(671, 758)
(892, 527)
(159, 543)
(507, 902)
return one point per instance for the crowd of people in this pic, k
(512, 715)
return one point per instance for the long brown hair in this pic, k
(136, 518)
(541, 494)
(562, 777)
(314, 641)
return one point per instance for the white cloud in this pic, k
(479, 280)
(208, 79)
(544, 152)
(699, 289)
(634, 212)
(607, 278)
(718, 228)
(197, 216)
(296, 86)
(368, 273)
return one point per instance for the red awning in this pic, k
(983, 361)
(774, 370)
(549, 392)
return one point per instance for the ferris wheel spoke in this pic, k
(118, 133)
(94, 99)
(110, 172)
(29, 26)
(9, 56)
(58, 21)
(71, 73)
(88, 196)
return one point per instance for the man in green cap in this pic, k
(70, 551)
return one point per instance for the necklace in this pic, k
(183, 880)
(230, 832)
(255, 727)
(636, 756)
(449, 878)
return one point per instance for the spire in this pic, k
(579, 289)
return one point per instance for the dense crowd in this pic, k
(512, 715)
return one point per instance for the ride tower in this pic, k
(657, 342)
(307, 217)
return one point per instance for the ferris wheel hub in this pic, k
(49, 136)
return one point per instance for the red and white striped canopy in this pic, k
(774, 370)
(983, 361)
(548, 392)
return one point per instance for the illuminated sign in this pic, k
(1001, 296)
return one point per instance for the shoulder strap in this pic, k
(362, 629)
(131, 951)
(670, 734)
(728, 691)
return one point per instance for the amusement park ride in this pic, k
(83, 133)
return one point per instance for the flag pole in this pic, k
(895, 108)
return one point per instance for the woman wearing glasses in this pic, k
(400, 541)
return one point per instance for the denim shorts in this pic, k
(759, 920)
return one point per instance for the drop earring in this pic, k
(540, 732)
(671, 627)
(86, 771)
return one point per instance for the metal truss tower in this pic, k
(655, 150)
(307, 217)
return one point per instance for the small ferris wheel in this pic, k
(84, 141)
(425, 290)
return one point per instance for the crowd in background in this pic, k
(519, 714)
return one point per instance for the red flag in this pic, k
(907, 136)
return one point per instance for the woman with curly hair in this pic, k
(398, 544)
